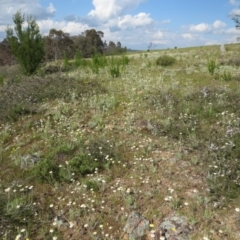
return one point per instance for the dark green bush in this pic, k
(1, 80)
(45, 171)
(124, 60)
(165, 61)
(83, 164)
(92, 185)
(211, 66)
(64, 159)
(226, 76)
(79, 61)
(26, 44)
(114, 66)
(98, 61)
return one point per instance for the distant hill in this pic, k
(132, 50)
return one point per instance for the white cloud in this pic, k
(33, 7)
(219, 24)
(10, 7)
(205, 27)
(188, 36)
(234, 2)
(166, 21)
(232, 31)
(51, 8)
(202, 27)
(131, 22)
(74, 28)
(158, 34)
(158, 37)
(235, 12)
(213, 42)
(107, 9)
(114, 18)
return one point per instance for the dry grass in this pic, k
(158, 140)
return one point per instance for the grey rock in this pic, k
(174, 228)
(136, 226)
(28, 161)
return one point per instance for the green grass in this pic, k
(80, 149)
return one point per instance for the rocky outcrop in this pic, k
(171, 228)
(136, 226)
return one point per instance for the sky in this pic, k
(137, 24)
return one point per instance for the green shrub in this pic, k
(66, 63)
(45, 171)
(165, 60)
(1, 80)
(92, 185)
(114, 65)
(17, 111)
(149, 64)
(98, 61)
(65, 159)
(115, 71)
(26, 44)
(211, 66)
(226, 76)
(83, 164)
(79, 61)
(124, 60)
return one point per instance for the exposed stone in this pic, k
(136, 226)
(28, 161)
(174, 228)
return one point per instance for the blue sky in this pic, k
(135, 23)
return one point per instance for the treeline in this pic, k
(58, 44)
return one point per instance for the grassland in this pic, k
(82, 147)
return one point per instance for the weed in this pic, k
(92, 185)
(226, 76)
(124, 60)
(165, 61)
(149, 64)
(211, 65)
(78, 60)
(114, 67)
(66, 63)
(1, 80)
(98, 61)
(45, 171)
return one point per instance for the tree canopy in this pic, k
(30, 48)
(26, 43)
